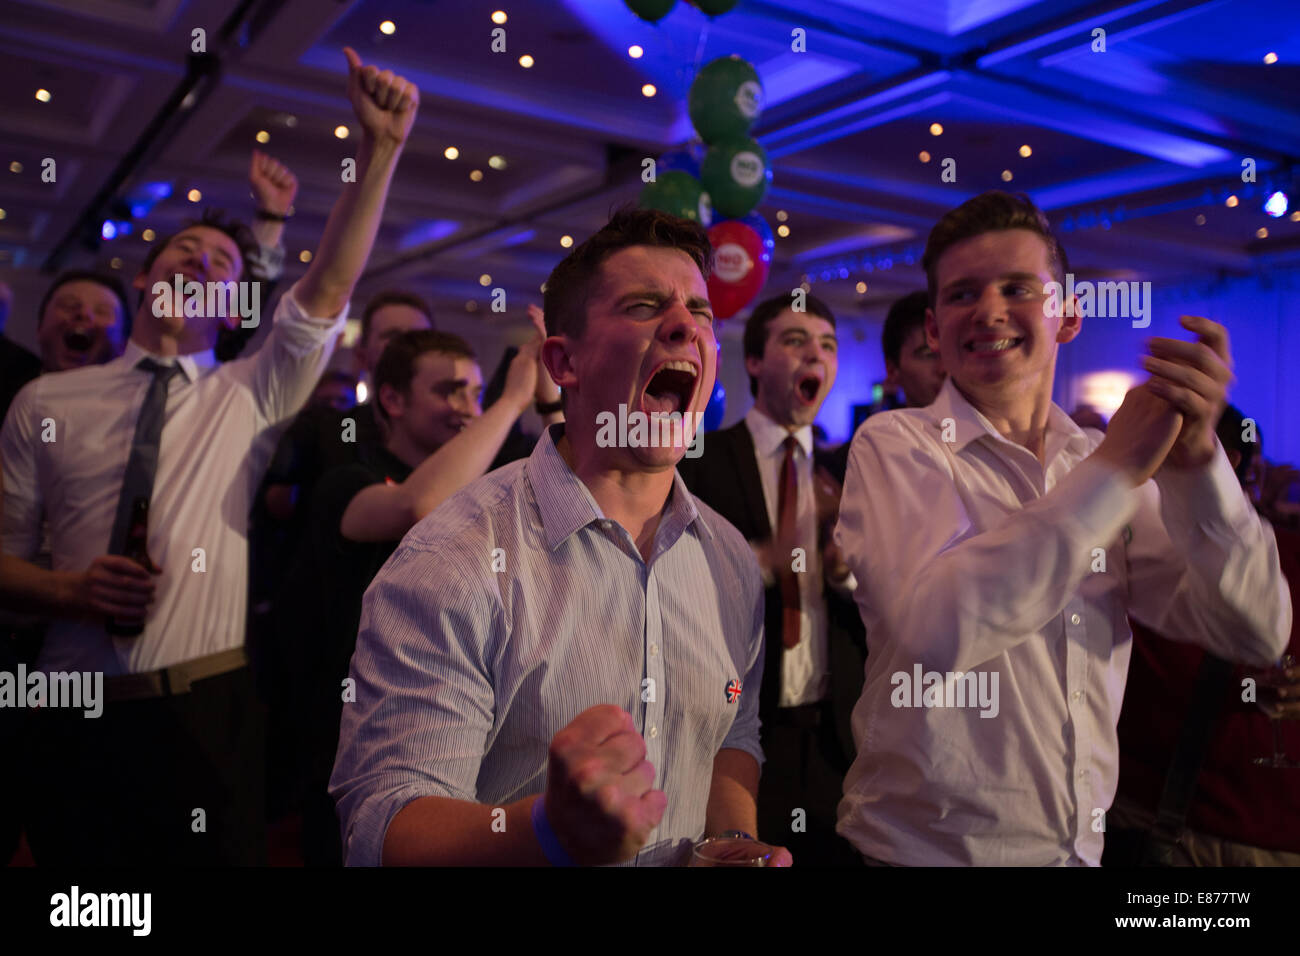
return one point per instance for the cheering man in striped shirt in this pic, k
(561, 663)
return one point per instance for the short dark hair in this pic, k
(906, 314)
(110, 282)
(992, 211)
(393, 297)
(396, 366)
(1229, 430)
(568, 288)
(239, 233)
(755, 340)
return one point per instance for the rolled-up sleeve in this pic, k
(424, 698)
(285, 370)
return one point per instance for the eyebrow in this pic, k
(972, 280)
(694, 302)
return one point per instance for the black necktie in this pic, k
(786, 510)
(143, 463)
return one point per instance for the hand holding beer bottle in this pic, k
(120, 588)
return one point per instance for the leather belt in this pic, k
(173, 680)
(804, 716)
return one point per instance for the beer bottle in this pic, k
(137, 549)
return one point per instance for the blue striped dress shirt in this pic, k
(515, 606)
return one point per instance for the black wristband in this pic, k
(549, 408)
(270, 216)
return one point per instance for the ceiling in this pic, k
(1134, 150)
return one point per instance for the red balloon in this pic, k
(739, 267)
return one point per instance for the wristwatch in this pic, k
(549, 408)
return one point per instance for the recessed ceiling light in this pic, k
(1200, 219)
(3, 213)
(1026, 151)
(485, 279)
(497, 162)
(341, 132)
(923, 156)
(861, 287)
(1006, 175)
(648, 90)
(304, 256)
(1261, 233)
(1270, 58)
(115, 262)
(451, 152)
(262, 136)
(499, 16)
(526, 61)
(783, 230)
(388, 27)
(1231, 202)
(15, 167)
(782, 215)
(147, 235)
(635, 52)
(43, 95)
(1295, 216)
(936, 129)
(476, 175)
(194, 195)
(566, 241)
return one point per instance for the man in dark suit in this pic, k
(765, 477)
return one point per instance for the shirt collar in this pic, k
(566, 503)
(970, 423)
(769, 437)
(193, 364)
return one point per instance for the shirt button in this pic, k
(1077, 695)
(605, 525)
(654, 732)
(1075, 619)
(1082, 774)
(654, 649)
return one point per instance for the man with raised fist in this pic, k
(1015, 545)
(172, 771)
(561, 663)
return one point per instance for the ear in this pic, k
(931, 330)
(557, 358)
(891, 374)
(1071, 323)
(754, 366)
(392, 401)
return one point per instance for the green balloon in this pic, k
(725, 100)
(736, 175)
(678, 194)
(652, 10)
(715, 7)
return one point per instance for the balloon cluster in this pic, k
(731, 178)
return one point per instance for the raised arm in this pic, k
(384, 512)
(385, 105)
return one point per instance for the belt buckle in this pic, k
(175, 680)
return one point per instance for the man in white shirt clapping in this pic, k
(999, 549)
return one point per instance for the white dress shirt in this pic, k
(220, 427)
(805, 668)
(971, 556)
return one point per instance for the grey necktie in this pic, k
(143, 463)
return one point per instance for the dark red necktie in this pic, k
(786, 510)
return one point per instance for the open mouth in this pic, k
(808, 388)
(995, 345)
(77, 342)
(670, 389)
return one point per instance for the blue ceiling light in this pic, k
(1277, 204)
(108, 230)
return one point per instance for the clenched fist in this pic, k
(274, 184)
(599, 799)
(384, 103)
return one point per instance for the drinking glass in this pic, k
(1267, 701)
